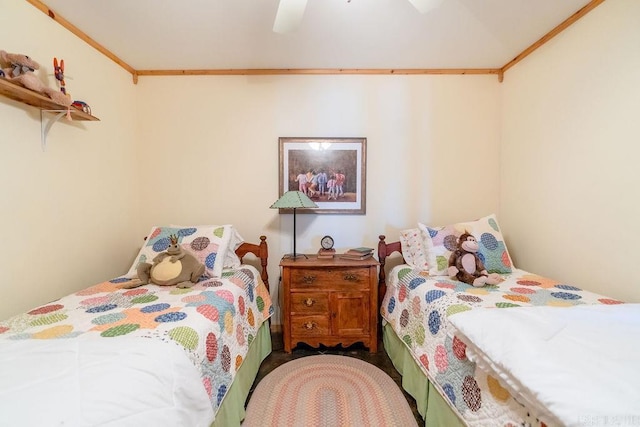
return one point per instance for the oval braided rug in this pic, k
(328, 390)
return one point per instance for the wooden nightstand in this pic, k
(330, 302)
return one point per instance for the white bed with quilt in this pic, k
(151, 355)
(527, 351)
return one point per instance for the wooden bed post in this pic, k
(261, 251)
(382, 256)
(384, 250)
(264, 255)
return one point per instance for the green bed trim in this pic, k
(431, 405)
(231, 412)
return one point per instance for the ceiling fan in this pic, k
(290, 12)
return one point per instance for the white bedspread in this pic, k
(96, 382)
(573, 366)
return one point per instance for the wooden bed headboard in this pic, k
(261, 251)
(384, 250)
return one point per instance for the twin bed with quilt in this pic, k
(151, 355)
(528, 351)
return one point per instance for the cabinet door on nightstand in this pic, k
(350, 313)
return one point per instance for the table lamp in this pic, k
(293, 200)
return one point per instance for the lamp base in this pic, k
(294, 256)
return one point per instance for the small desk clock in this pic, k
(326, 247)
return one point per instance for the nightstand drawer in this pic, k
(337, 276)
(309, 302)
(309, 325)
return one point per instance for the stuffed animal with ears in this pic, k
(20, 69)
(175, 266)
(466, 266)
(58, 72)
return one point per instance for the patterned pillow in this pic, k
(208, 244)
(413, 248)
(441, 241)
(231, 259)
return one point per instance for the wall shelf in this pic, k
(45, 104)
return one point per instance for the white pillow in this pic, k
(209, 244)
(231, 259)
(413, 248)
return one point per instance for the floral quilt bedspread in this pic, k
(214, 322)
(417, 307)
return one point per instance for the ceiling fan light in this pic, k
(289, 15)
(425, 6)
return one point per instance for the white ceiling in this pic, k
(237, 34)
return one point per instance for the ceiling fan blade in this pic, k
(425, 6)
(289, 15)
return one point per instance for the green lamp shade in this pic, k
(292, 200)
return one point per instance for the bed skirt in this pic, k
(433, 408)
(231, 411)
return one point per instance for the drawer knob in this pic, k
(309, 325)
(309, 279)
(350, 277)
(309, 302)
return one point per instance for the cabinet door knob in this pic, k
(309, 279)
(309, 302)
(309, 325)
(350, 277)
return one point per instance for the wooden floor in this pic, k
(379, 359)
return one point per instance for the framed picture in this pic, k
(331, 171)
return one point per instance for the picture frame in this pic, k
(343, 159)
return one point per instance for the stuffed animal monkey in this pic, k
(466, 266)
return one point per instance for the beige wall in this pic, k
(210, 149)
(570, 144)
(69, 214)
(550, 149)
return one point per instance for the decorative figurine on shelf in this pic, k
(83, 106)
(21, 69)
(58, 71)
